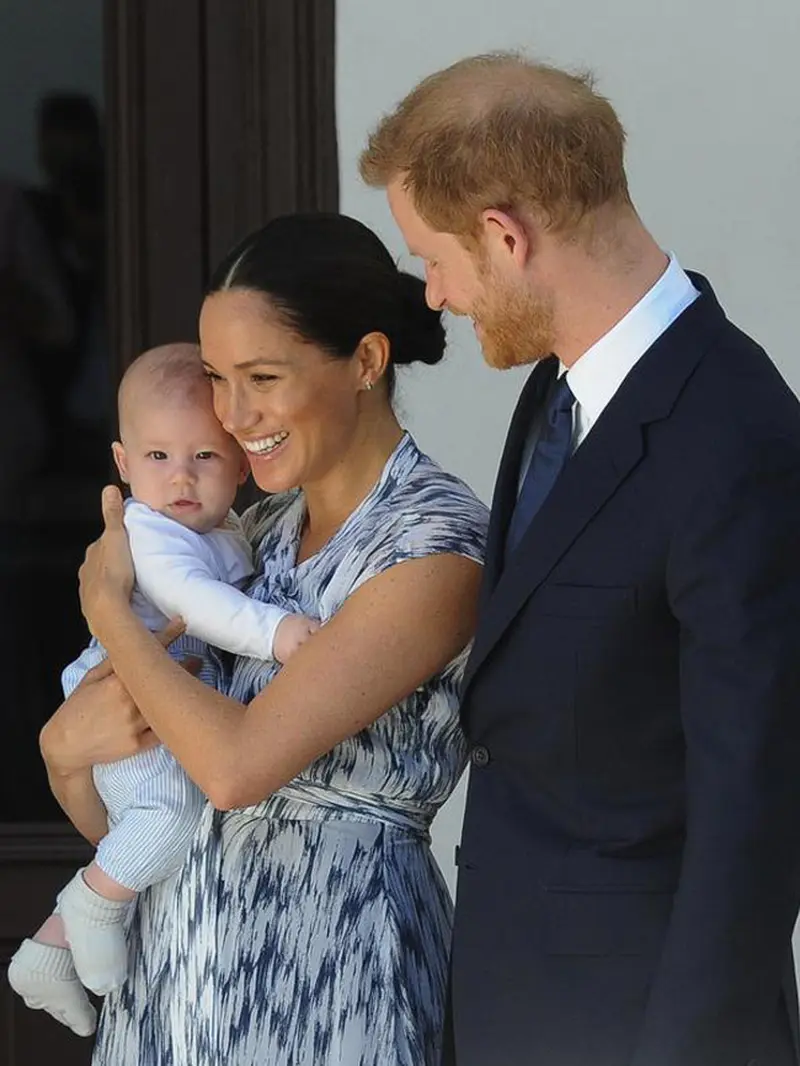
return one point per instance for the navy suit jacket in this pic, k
(629, 870)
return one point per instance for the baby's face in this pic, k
(179, 460)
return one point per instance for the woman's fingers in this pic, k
(112, 508)
(172, 630)
(97, 673)
(147, 739)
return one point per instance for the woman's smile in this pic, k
(264, 445)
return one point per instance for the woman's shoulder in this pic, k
(429, 512)
(430, 483)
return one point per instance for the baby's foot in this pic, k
(45, 977)
(95, 929)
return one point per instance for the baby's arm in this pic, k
(179, 580)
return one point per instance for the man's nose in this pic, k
(434, 297)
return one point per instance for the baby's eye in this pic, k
(157, 455)
(206, 455)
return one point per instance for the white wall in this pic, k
(708, 94)
(44, 45)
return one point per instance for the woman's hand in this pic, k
(99, 722)
(106, 577)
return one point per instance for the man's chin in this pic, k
(509, 359)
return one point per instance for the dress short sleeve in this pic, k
(432, 513)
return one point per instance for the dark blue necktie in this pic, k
(552, 450)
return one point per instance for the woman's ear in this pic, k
(372, 358)
(120, 459)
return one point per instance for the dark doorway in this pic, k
(138, 142)
(56, 371)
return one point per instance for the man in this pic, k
(629, 873)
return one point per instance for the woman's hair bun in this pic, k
(420, 336)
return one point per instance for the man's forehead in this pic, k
(417, 233)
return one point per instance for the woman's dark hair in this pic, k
(332, 281)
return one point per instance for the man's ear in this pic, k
(121, 461)
(508, 236)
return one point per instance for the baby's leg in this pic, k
(94, 907)
(52, 932)
(154, 823)
(43, 973)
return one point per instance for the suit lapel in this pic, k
(591, 476)
(609, 454)
(505, 493)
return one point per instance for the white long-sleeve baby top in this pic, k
(197, 576)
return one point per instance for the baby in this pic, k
(190, 555)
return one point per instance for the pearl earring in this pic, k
(368, 386)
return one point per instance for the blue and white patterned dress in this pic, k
(313, 929)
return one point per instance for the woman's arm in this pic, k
(78, 799)
(97, 723)
(399, 629)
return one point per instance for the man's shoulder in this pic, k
(734, 419)
(737, 395)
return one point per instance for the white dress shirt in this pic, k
(195, 575)
(595, 377)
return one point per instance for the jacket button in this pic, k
(480, 756)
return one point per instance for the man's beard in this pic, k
(515, 327)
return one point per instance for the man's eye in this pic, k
(159, 456)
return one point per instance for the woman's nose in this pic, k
(236, 415)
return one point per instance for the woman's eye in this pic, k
(262, 379)
(212, 377)
(159, 456)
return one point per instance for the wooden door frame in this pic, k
(246, 132)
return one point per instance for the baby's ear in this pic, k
(244, 467)
(118, 451)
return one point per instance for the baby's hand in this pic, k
(292, 631)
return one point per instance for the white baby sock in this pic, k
(45, 977)
(95, 929)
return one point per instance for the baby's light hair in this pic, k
(171, 373)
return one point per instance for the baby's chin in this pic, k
(195, 517)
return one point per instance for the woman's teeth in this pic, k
(266, 444)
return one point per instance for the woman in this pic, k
(310, 924)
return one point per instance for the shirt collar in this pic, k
(600, 371)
